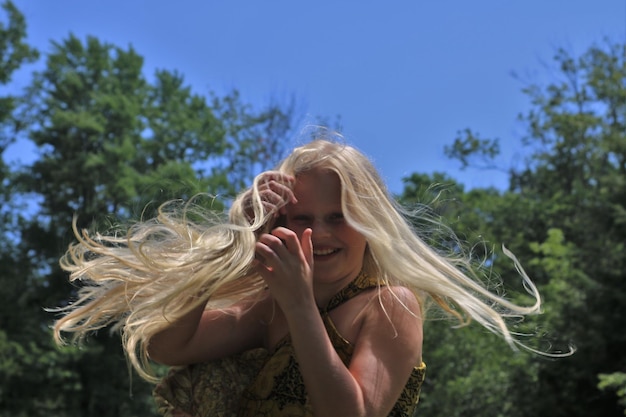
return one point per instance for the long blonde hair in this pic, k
(161, 269)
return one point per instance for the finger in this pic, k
(284, 191)
(269, 178)
(289, 239)
(266, 255)
(282, 177)
(271, 197)
(257, 263)
(277, 195)
(281, 186)
(261, 266)
(271, 203)
(290, 198)
(281, 247)
(307, 246)
(278, 177)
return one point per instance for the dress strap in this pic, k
(361, 283)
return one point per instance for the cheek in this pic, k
(356, 239)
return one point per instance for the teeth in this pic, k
(322, 252)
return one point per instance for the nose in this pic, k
(320, 229)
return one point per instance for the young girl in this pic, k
(310, 296)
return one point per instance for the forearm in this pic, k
(332, 389)
(168, 346)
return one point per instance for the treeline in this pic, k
(111, 141)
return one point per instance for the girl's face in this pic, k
(338, 249)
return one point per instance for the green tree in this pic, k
(563, 215)
(14, 52)
(616, 381)
(576, 175)
(255, 139)
(73, 110)
(470, 371)
(112, 146)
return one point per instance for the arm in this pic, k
(384, 355)
(387, 349)
(380, 366)
(204, 335)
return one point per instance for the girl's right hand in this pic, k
(276, 191)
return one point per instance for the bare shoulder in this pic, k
(396, 301)
(398, 293)
(395, 308)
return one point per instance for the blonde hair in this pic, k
(185, 257)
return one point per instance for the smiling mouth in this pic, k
(325, 252)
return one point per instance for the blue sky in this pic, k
(405, 76)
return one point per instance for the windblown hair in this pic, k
(163, 268)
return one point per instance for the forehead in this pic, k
(318, 186)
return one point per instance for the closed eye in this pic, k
(301, 219)
(336, 218)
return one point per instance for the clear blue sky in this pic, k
(404, 76)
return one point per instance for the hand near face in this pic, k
(286, 264)
(275, 191)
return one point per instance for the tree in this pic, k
(470, 371)
(255, 140)
(112, 146)
(14, 52)
(616, 381)
(563, 215)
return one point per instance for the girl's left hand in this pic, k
(286, 264)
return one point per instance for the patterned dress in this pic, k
(258, 384)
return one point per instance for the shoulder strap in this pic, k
(361, 283)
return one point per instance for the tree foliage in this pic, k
(563, 215)
(113, 142)
(615, 381)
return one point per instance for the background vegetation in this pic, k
(109, 140)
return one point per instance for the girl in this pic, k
(315, 286)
